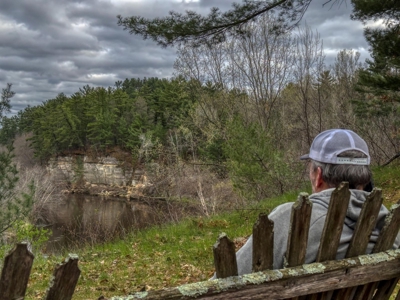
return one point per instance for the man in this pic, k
(335, 156)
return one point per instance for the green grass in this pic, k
(161, 256)
(388, 178)
(170, 255)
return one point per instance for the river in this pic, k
(82, 219)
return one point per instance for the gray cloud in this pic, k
(55, 46)
(336, 29)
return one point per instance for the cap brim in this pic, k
(304, 157)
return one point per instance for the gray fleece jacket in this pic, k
(281, 217)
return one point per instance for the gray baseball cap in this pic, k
(330, 143)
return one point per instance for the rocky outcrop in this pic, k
(103, 175)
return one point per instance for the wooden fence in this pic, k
(16, 270)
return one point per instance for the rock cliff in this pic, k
(103, 175)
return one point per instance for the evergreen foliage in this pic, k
(13, 207)
(382, 77)
(257, 169)
(379, 83)
(191, 27)
(103, 118)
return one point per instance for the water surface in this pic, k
(91, 219)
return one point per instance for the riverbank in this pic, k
(170, 254)
(161, 256)
(104, 190)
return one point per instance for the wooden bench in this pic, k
(358, 276)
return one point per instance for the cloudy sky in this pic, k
(49, 47)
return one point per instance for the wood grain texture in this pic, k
(385, 242)
(225, 257)
(65, 278)
(298, 232)
(362, 232)
(15, 274)
(366, 222)
(332, 231)
(334, 223)
(389, 231)
(263, 244)
(385, 289)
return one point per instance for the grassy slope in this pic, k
(171, 254)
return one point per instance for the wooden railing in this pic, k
(16, 270)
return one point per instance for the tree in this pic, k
(379, 83)
(257, 64)
(12, 206)
(257, 169)
(308, 65)
(191, 27)
(9, 129)
(6, 95)
(49, 127)
(215, 27)
(345, 73)
(382, 77)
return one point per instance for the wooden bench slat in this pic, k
(362, 232)
(366, 292)
(263, 241)
(385, 289)
(365, 224)
(15, 274)
(389, 231)
(332, 231)
(65, 278)
(298, 232)
(333, 226)
(385, 241)
(321, 296)
(225, 257)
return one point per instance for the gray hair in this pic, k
(355, 175)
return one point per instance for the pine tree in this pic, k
(379, 83)
(12, 206)
(197, 29)
(103, 118)
(382, 77)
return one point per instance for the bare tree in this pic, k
(308, 65)
(345, 71)
(258, 64)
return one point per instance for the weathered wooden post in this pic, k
(332, 231)
(64, 280)
(298, 232)
(15, 273)
(359, 242)
(385, 242)
(225, 257)
(333, 227)
(263, 244)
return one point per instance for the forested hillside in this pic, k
(246, 108)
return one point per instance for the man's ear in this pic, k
(319, 182)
